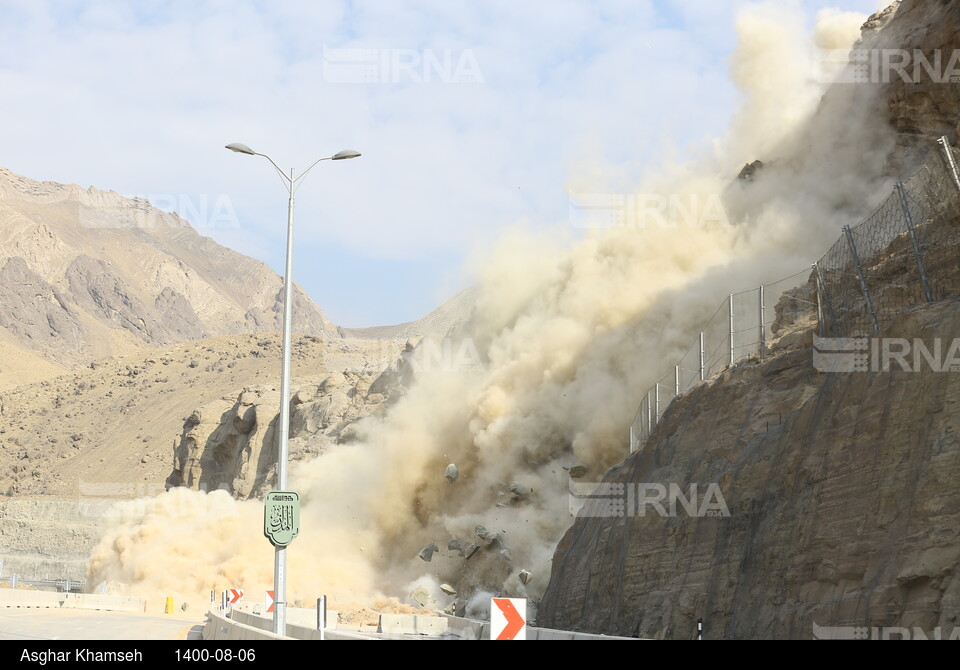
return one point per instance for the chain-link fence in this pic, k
(904, 254)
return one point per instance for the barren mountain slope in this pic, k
(88, 273)
(110, 431)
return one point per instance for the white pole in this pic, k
(657, 400)
(280, 562)
(702, 372)
(322, 615)
(731, 330)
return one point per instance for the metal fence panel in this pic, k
(842, 297)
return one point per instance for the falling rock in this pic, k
(480, 531)
(470, 550)
(420, 596)
(451, 473)
(494, 542)
(427, 552)
(454, 545)
(524, 577)
(578, 471)
(449, 590)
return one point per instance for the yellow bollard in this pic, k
(168, 609)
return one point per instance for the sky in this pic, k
(472, 117)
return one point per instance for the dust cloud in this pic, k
(571, 328)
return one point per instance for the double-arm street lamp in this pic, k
(280, 560)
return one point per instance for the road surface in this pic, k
(66, 624)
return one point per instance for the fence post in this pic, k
(913, 238)
(656, 397)
(649, 417)
(763, 331)
(676, 380)
(951, 164)
(731, 329)
(817, 282)
(863, 281)
(702, 375)
(823, 296)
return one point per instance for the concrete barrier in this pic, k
(472, 629)
(434, 626)
(397, 624)
(264, 622)
(22, 599)
(219, 627)
(249, 626)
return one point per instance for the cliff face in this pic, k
(923, 105)
(231, 443)
(841, 489)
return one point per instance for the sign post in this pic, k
(281, 517)
(281, 524)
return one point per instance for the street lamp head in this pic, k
(241, 149)
(343, 155)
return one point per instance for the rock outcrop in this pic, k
(842, 506)
(232, 444)
(921, 106)
(36, 312)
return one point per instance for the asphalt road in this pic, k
(57, 624)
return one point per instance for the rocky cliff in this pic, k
(232, 446)
(922, 106)
(842, 506)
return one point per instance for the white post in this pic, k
(657, 399)
(322, 615)
(702, 369)
(951, 164)
(731, 330)
(649, 417)
(763, 330)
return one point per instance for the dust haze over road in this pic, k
(569, 333)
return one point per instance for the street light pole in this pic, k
(280, 555)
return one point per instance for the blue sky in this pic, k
(472, 117)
